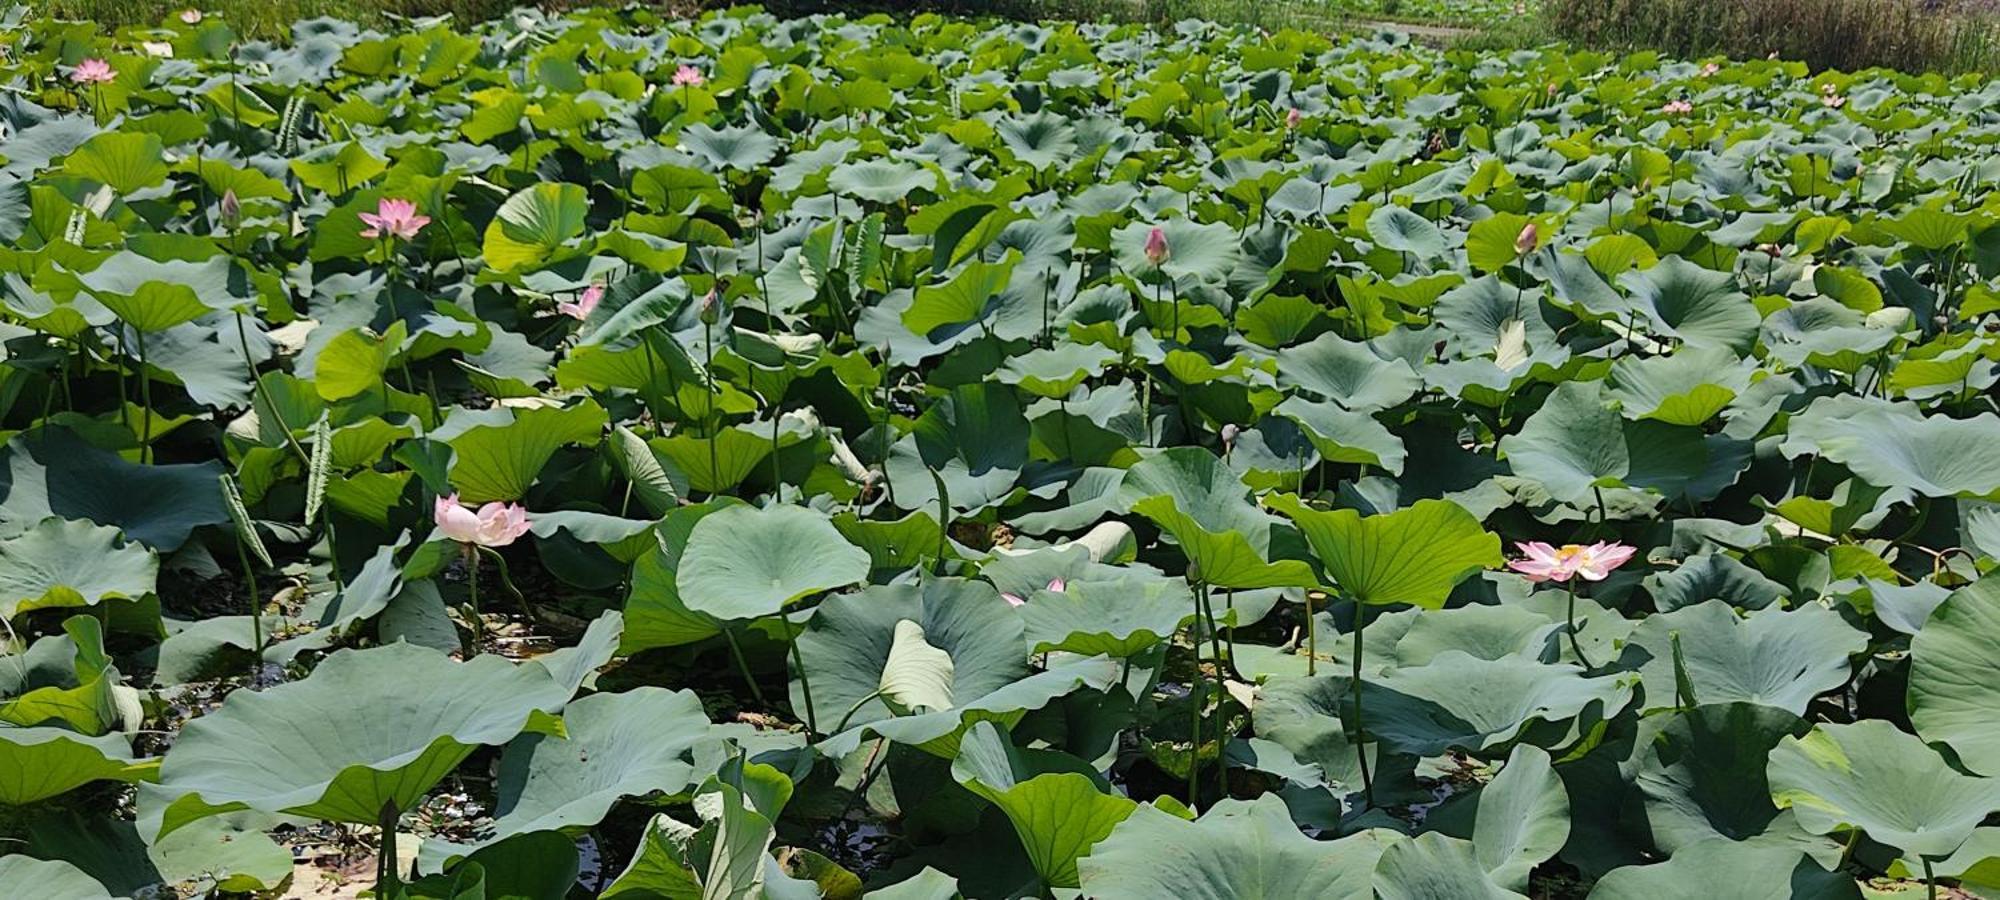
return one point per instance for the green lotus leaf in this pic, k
(1727, 870)
(1059, 816)
(1871, 776)
(1192, 495)
(1112, 618)
(613, 746)
(71, 563)
(26, 876)
(882, 181)
(1237, 848)
(1415, 555)
(151, 295)
(1954, 660)
(1056, 371)
(369, 729)
(43, 762)
(1697, 305)
(497, 457)
(1400, 230)
(852, 640)
(1576, 445)
(727, 856)
(1523, 818)
(1686, 388)
(534, 224)
(976, 440)
(125, 161)
(655, 615)
(1772, 657)
(1434, 866)
(54, 473)
(1204, 252)
(1896, 446)
(973, 295)
(1702, 771)
(929, 884)
(1461, 701)
(743, 563)
(1340, 435)
(1347, 373)
(1713, 576)
(743, 148)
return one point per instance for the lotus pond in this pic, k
(603, 455)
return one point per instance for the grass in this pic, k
(1913, 35)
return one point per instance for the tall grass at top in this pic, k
(1913, 35)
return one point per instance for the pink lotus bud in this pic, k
(585, 302)
(1292, 117)
(1058, 585)
(1156, 247)
(231, 208)
(711, 306)
(1529, 238)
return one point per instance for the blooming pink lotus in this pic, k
(1546, 562)
(584, 303)
(92, 71)
(393, 218)
(1710, 69)
(1677, 108)
(494, 525)
(1292, 117)
(191, 16)
(1529, 238)
(1156, 247)
(688, 75)
(1832, 101)
(1055, 584)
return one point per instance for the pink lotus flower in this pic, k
(231, 208)
(393, 218)
(688, 75)
(494, 525)
(1545, 562)
(1156, 247)
(191, 16)
(1292, 117)
(1677, 108)
(1833, 101)
(92, 71)
(1529, 238)
(585, 302)
(1710, 69)
(1055, 584)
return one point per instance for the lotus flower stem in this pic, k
(256, 611)
(386, 877)
(805, 685)
(1360, 726)
(714, 408)
(944, 517)
(257, 393)
(1312, 640)
(1194, 729)
(476, 617)
(888, 483)
(1569, 624)
(849, 715)
(1930, 879)
(146, 401)
(743, 666)
(506, 580)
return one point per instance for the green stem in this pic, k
(855, 709)
(507, 581)
(1569, 625)
(146, 401)
(386, 877)
(256, 612)
(714, 408)
(1360, 727)
(257, 392)
(806, 685)
(1312, 642)
(1930, 880)
(477, 616)
(743, 667)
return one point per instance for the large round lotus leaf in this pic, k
(1702, 771)
(368, 728)
(726, 856)
(26, 876)
(1459, 701)
(1056, 371)
(153, 295)
(976, 441)
(1059, 816)
(1484, 631)
(743, 562)
(1576, 444)
(1403, 231)
(1236, 849)
(69, 563)
(1414, 556)
(1192, 495)
(534, 223)
(54, 473)
(1894, 445)
(1343, 436)
(1772, 657)
(1434, 866)
(497, 456)
(1523, 818)
(1726, 870)
(938, 732)
(1955, 676)
(1872, 776)
(1114, 618)
(1198, 251)
(852, 638)
(1347, 373)
(1697, 305)
(39, 763)
(613, 746)
(1685, 388)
